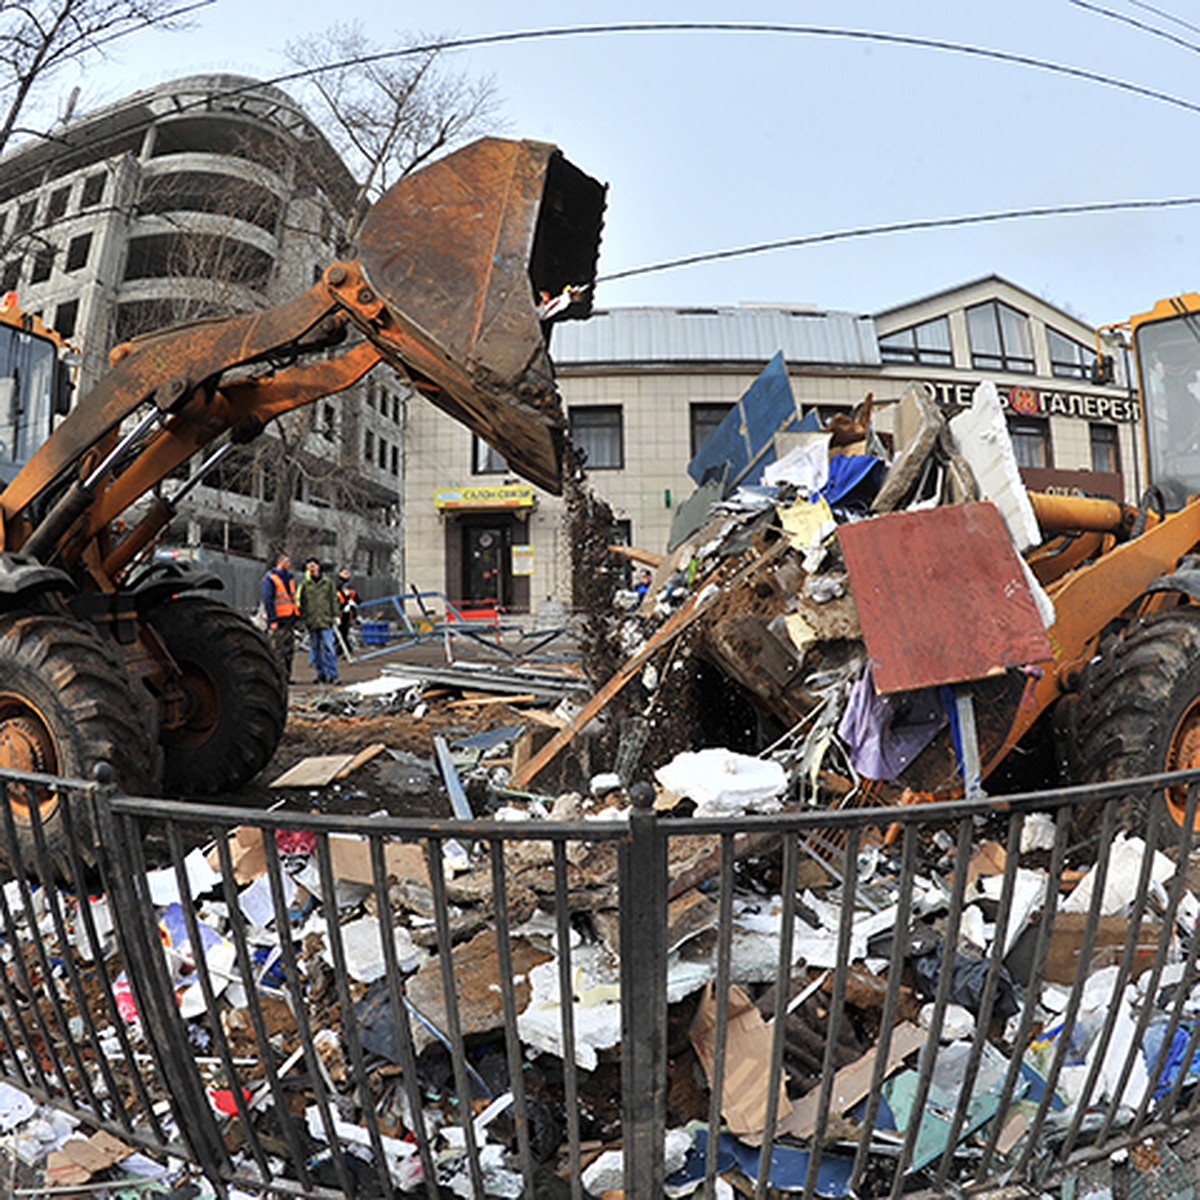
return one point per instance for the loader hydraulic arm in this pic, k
(453, 261)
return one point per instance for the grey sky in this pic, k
(716, 140)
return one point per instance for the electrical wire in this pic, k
(1166, 16)
(1175, 39)
(915, 225)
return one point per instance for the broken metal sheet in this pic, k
(543, 681)
(786, 1172)
(941, 596)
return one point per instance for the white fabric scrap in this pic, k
(15, 1107)
(164, 887)
(806, 466)
(724, 783)
(1124, 869)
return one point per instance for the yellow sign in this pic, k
(522, 560)
(500, 495)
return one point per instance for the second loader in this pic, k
(107, 658)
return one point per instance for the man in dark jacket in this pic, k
(317, 598)
(347, 608)
(279, 605)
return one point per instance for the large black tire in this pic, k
(236, 697)
(66, 705)
(1139, 714)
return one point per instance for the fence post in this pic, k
(643, 906)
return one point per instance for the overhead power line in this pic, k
(916, 225)
(1112, 14)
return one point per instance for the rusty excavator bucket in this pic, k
(467, 254)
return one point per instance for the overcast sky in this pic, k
(712, 140)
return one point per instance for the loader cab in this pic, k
(34, 386)
(1167, 346)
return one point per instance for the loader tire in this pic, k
(236, 697)
(66, 705)
(1139, 714)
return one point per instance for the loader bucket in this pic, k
(461, 253)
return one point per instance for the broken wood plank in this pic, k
(674, 625)
(482, 701)
(852, 1082)
(317, 771)
(361, 759)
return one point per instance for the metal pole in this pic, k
(643, 892)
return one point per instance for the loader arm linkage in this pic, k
(453, 260)
(1087, 600)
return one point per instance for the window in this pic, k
(371, 394)
(24, 219)
(1000, 338)
(1068, 358)
(598, 433)
(93, 190)
(78, 250)
(10, 275)
(396, 409)
(57, 205)
(383, 457)
(43, 264)
(485, 460)
(1031, 441)
(704, 420)
(395, 460)
(328, 427)
(928, 342)
(1105, 455)
(65, 318)
(369, 447)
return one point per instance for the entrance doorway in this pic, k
(487, 550)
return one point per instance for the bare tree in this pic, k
(389, 116)
(39, 37)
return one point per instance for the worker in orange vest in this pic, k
(282, 612)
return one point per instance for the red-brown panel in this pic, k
(941, 596)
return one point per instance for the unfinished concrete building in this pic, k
(206, 196)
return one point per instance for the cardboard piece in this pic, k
(747, 1061)
(1066, 941)
(81, 1158)
(350, 858)
(989, 859)
(853, 1082)
(247, 853)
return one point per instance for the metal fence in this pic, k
(271, 1060)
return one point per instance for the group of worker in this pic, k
(315, 603)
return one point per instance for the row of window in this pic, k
(79, 250)
(598, 431)
(388, 403)
(380, 452)
(1000, 340)
(24, 216)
